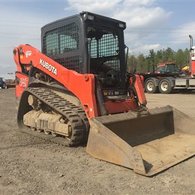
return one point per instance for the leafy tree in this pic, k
(169, 55)
(180, 57)
(142, 63)
(131, 63)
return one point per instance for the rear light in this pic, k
(87, 16)
(122, 25)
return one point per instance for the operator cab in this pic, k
(89, 43)
(168, 68)
(105, 48)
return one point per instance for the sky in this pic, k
(151, 24)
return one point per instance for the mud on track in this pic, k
(30, 165)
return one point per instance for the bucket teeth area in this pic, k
(167, 151)
(148, 144)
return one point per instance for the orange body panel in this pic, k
(140, 90)
(193, 68)
(22, 81)
(113, 107)
(81, 85)
(192, 55)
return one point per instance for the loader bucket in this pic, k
(148, 143)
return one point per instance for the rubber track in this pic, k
(75, 115)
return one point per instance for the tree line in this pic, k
(146, 63)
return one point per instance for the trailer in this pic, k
(167, 77)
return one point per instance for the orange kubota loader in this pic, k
(77, 89)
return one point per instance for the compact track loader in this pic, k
(78, 91)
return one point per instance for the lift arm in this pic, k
(81, 85)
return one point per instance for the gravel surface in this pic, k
(30, 165)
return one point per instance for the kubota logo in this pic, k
(48, 66)
(28, 53)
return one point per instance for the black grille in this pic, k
(106, 49)
(61, 40)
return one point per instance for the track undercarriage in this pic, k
(48, 112)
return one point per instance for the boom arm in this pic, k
(81, 85)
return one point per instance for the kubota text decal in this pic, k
(48, 66)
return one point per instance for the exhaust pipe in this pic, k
(191, 41)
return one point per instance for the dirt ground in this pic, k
(30, 165)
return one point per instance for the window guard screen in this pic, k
(104, 47)
(61, 40)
